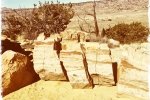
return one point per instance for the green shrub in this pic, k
(128, 33)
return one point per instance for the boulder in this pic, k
(46, 62)
(113, 43)
(133, 73)
(17, 71)
(8, 44)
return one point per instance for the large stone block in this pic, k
(99, 62)
(101, 71)
(47, 63)
(77, 74)
(133, 76)
(71, 59)
(116, 54)
(133, 73)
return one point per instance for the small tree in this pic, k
(95, 19)
(15, 27)
(48, 18)
(93, 14)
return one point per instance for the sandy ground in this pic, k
(56, 90)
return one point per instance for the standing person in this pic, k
(57, 45)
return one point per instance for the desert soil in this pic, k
(57, 90)
(124, 16)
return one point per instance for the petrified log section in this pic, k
(46, 62)
(133, 76)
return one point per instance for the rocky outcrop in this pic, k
(133, 73)
(17, 71)
(46, 62)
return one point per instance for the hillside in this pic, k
(113, 5)
(101, 5)
(109, 13)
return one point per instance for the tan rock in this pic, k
(77, 74)
(116, 54)
(71, 46)
(71, 59)
(98, 58)
(79, 79)
(113, 43)
(101, 71)
(46, 62)
(17, 72)
(41, 37)
(133, 70)
(99, 62)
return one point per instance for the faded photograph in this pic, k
(75, 50)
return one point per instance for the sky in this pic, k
(29, 3)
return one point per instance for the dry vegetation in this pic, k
(117, 10)
(128, 33)
(48, 18)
